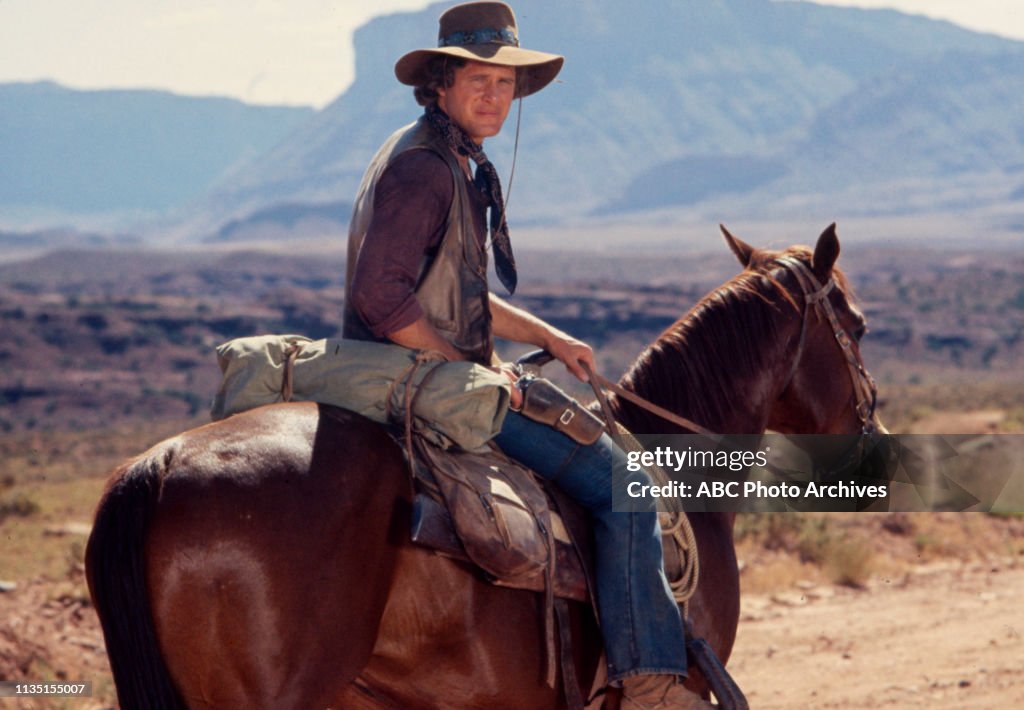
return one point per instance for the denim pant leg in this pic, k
(640, 622)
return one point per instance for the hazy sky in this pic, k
(264, 51)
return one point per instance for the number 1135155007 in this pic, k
(56, 689)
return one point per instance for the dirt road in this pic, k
(947, 635)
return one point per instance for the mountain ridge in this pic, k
(743, 78)
(125, 149)
(678, 107)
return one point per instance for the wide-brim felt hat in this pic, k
(483, 32)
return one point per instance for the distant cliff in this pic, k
(669, 103)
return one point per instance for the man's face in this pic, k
(479, 99)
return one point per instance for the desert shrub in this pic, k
(924, 542)
(17, 504)
(850, 561)
(773, 531)
(75, 558)
(94, 321)
(899, 524)
(815, 540)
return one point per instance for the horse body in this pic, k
(253, 578)
(276, 576)
(264, 561)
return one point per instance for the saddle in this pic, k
(510, 546)
(485, 509)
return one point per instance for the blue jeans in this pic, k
(640, 622)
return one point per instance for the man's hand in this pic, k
(516, 324)
(509, 370)
(572, 352)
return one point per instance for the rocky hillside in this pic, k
(101, 337)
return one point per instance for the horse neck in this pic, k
(720, 366)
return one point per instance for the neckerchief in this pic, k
(486, 180)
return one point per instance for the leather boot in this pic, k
(658, 692)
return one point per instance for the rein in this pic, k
(599, 383)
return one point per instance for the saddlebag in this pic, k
(496, 505)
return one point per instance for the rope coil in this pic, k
(675, 525)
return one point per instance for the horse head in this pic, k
(823, 386)
(776, 347)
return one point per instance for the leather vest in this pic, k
(452, 286)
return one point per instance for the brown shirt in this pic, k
(410, 209)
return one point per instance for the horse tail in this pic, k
(116, 574)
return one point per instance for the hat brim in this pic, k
(536, 69)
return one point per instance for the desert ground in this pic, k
(941, 635)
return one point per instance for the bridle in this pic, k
(816, 296)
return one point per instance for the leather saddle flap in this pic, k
(495, 513)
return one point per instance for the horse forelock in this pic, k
(709, 361)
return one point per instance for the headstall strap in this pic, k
(816, 295)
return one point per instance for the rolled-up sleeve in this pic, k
(410, 211)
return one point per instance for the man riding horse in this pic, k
(417, 276)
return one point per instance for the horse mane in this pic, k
(707, 363)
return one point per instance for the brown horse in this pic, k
(264, 561)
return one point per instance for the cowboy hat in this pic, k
(483, 32)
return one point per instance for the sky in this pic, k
(296, 52)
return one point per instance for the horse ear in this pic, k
(826, 251)
(743, 251)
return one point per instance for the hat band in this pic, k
(484, 35)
